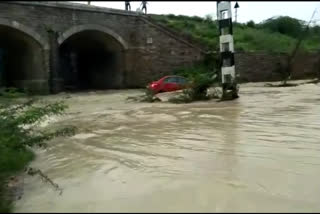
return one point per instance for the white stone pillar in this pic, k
(228, 73)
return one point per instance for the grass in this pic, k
(252, 40)
(275, 35)
(12, 93)
(11, 162)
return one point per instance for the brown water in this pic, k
(260, 153)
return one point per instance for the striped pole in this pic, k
(228, 73)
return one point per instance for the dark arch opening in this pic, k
(91, 59)
(21, 62)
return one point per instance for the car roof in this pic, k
(172, 76)
(162, 78)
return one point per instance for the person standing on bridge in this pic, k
(144, 6)
(128, 6)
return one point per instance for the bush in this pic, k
(183, 98)
(251, 39)
(148, 96)
(201, 76)
(251, 24)
(284, 25)
(19, 132)
(12, 92)
(209, 19)
(197, 18)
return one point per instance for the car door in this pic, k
(170, 84)
(182, 82)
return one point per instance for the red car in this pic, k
(168, 83)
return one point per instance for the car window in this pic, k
(182, 80)
(175, 79)
(170, 80)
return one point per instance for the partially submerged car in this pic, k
(169, 83)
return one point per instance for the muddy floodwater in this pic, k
(259, 153)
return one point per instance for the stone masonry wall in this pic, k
(259, 67)
(150, 51)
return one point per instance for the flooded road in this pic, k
(260, 153)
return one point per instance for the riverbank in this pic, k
(12, 163)
(18, 134)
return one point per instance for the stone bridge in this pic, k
(53, 46)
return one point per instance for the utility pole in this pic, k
(292, 55)
(228, 72)
(236, 11)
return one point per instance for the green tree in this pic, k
(251, 24)
(284, 25)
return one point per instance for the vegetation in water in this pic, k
(12, 92)
(148, 97)
(19, 131)
(201, 76)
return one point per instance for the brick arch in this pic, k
(18, 26)
(76, 29)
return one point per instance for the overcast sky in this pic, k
(256, 11)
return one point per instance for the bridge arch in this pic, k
(22, 54)
(18, 26)
(91, 57)
(79, 28)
